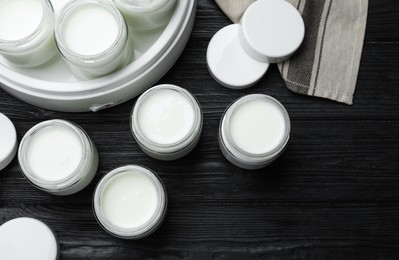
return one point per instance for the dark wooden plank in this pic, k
(238, 232)
(354, 162)
(383, 21)
(334, 193)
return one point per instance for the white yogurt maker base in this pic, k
(52, 86)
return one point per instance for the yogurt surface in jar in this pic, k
(58, 157)
(129, 200)
(19, 19)
(90, 30)
(93, 38)
(54, 153)
(27, 32)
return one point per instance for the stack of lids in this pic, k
(270, 31)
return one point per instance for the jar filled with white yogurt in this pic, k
(130, 202)
(92, 37)
(58, 157)
(146, 14)
(27, 32)
(166, 122)
(254, 131)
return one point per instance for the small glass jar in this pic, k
(130, 202)
(27, 32)
(92, 37)
(254, 131)
(166, 122)
(58, 157)
(146, 14)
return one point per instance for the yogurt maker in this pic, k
(53, 86)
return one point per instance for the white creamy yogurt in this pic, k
(54, 153)
(90, 29)
(129, 199)
(27, 32)
(58, 157)
(19, 19)
(130, 202)
(166, 116)
(257, 126)
(254, 131)
(92, 37)
(166, 122)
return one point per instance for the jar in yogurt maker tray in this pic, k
(58, 157)
(146, 14)
(27, 32)
(53, 85)
(93, 38)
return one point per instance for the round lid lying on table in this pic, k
(229, 64)
(27, 238)
(272, 30)
(8, 141)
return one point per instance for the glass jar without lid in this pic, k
(254, 131)
(166, 122)
(27, 32)
(58, 157)
(130, 202)
(146, 14)
(92, 37)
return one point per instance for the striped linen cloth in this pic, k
(327, 63)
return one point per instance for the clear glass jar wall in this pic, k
(93, 38)
(27, 32)
(146, 14)
(58, 157)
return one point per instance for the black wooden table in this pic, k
(334, 194)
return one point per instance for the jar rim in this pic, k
(190, 137)
(70, 180)
(9, 45)
(237, 152)
(142, 3)
(88, 59)
(144, 229)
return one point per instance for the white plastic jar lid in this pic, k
(8, 141)
(228, 62)
(272, 30)
(27, 238)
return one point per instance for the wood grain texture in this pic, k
(334, 194)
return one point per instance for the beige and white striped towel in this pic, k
(327, 63)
